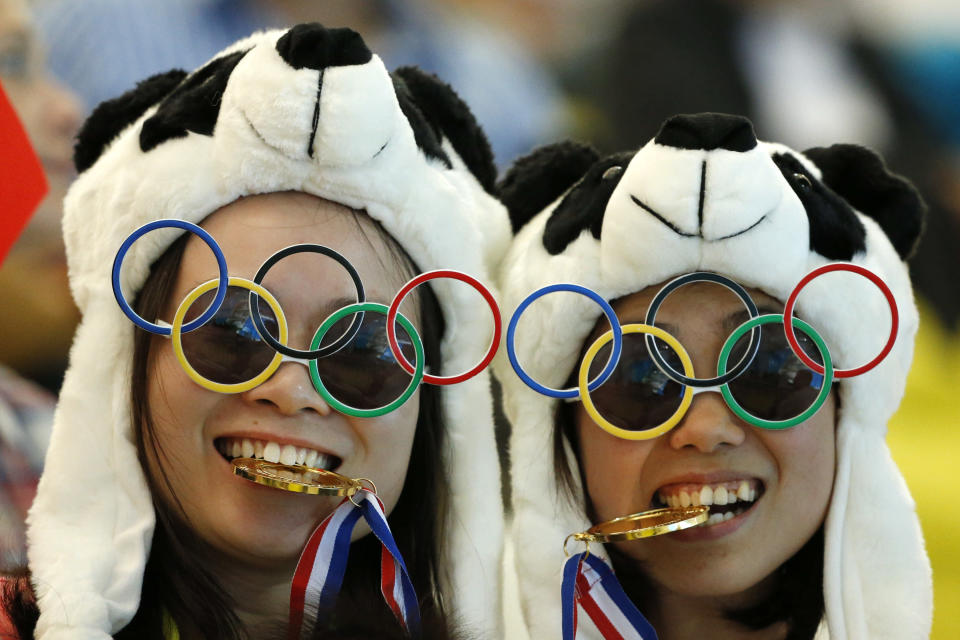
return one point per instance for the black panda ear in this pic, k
(113, 116)
(450, 118)
(538, 178)
(425, 134)
(860, 177)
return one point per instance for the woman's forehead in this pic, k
(696, 297)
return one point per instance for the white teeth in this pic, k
(274, 452)
(288, 454)
(271, 452)
(720, 495)
(684, 499)
(731, 497)
(715, 518)
(695, 498)
(744, 491)
(728, 515)
(706, 496)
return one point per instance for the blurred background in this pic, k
(884, 73)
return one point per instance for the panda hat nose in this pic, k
(707, 131)
(314, 46)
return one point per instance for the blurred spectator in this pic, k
(37, 325)
(805, 74)
(877, 72)
(26, 413)
(39, 316)
(101, 47)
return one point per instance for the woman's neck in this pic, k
(681, 617)
(260, 593)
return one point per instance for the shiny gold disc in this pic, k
(645, 524)
(296, 478)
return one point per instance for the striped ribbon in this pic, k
(590, 582)
(322, 564)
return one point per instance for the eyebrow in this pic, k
(737, 318)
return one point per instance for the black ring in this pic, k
(290, 351)
(702, 276)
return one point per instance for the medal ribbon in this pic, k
(322, 565)
(590, 582)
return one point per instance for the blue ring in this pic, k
(614, 325)
(187, 226)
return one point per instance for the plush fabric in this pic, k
(91, 525)
(718, 202)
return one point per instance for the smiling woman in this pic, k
(392, 174)
(809, 530)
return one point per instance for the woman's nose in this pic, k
(708, 425)
(290, 390)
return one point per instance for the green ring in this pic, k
(827, 372)
(376, 307)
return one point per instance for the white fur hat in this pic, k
(307, 109)
(705, 195)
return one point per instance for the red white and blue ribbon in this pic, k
(322, 565)
(590, 582)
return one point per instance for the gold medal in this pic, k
(645, 524)
(295, 478)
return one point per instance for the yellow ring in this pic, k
(605, 424)
(220, 387)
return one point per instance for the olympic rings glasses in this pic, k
(228, 341)
(640, 394)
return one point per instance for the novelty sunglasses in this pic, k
(227, 341)
(780, 378)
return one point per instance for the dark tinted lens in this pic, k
(364, 374)
(228, 349)
(638, 396)
(777, 386)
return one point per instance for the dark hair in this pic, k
(797, 594)
(174, 579)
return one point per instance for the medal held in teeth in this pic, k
(645, 524)
(295, 478)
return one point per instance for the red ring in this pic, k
(840, 266)
(455, 275)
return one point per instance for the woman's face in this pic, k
(256, 524)
(790, 471)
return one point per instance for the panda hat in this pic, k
(705, 195)
(307, 109)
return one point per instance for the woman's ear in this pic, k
(861, 178)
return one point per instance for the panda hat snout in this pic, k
(335, 100)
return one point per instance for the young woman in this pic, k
(141, 529)
(810, 529)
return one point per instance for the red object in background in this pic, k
(22, 181)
